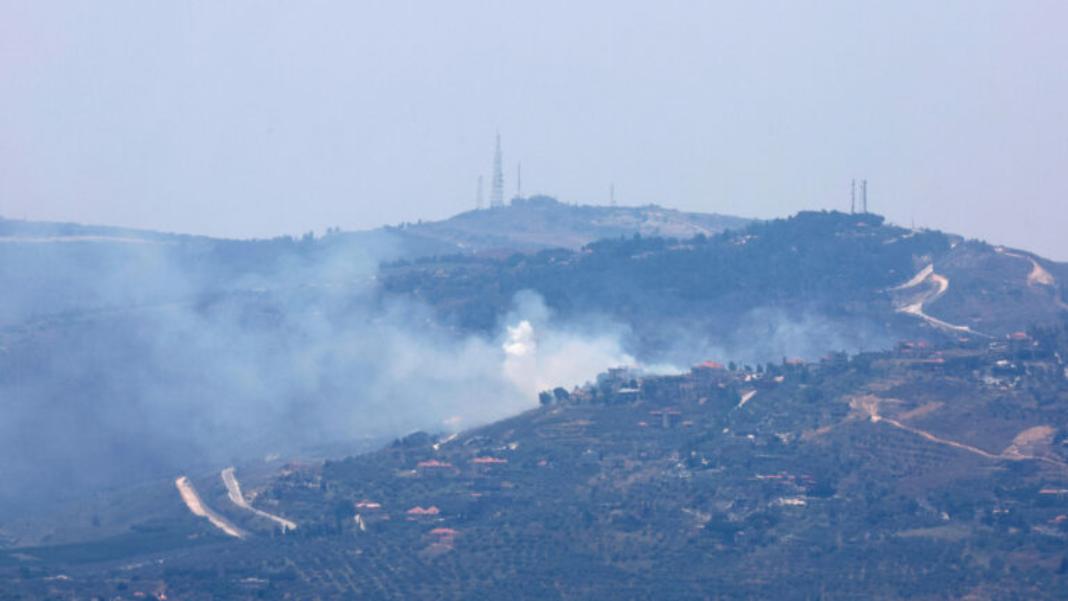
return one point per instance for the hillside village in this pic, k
(931, 440)
(877, 469)
(553, 301)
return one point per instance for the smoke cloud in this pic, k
(540, 355)
(122, 362)
(166, 364)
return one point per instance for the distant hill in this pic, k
(998, 290)
(524, 225)
(541, 222)
(815, 282)
(14, 230)
(661, 271)
(67, 267)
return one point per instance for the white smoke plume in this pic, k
(539, 357)
(304, 357)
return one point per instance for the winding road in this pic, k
(199, 509)
(870, 407)
(233, 490)
(916, 308)
(1039, 275)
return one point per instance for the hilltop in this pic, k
(805, 285)
(541, 222)
(16, 230)
(524, 225)
(71, 268)
(662, 273)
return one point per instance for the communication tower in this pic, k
(497, 190)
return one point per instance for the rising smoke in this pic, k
(123, 362)
(166, 364)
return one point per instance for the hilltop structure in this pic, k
(497, 190)
(863, 196)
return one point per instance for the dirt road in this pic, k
(746, 396)
(233, 490)
(199, 509)
(1039, 275)
(870, 407)
(916, 308)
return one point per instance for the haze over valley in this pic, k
(130, 357)
(562, 302)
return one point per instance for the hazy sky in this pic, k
(261, 118)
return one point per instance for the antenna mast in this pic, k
(852, 197)
(864, 194)
(497, 190)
